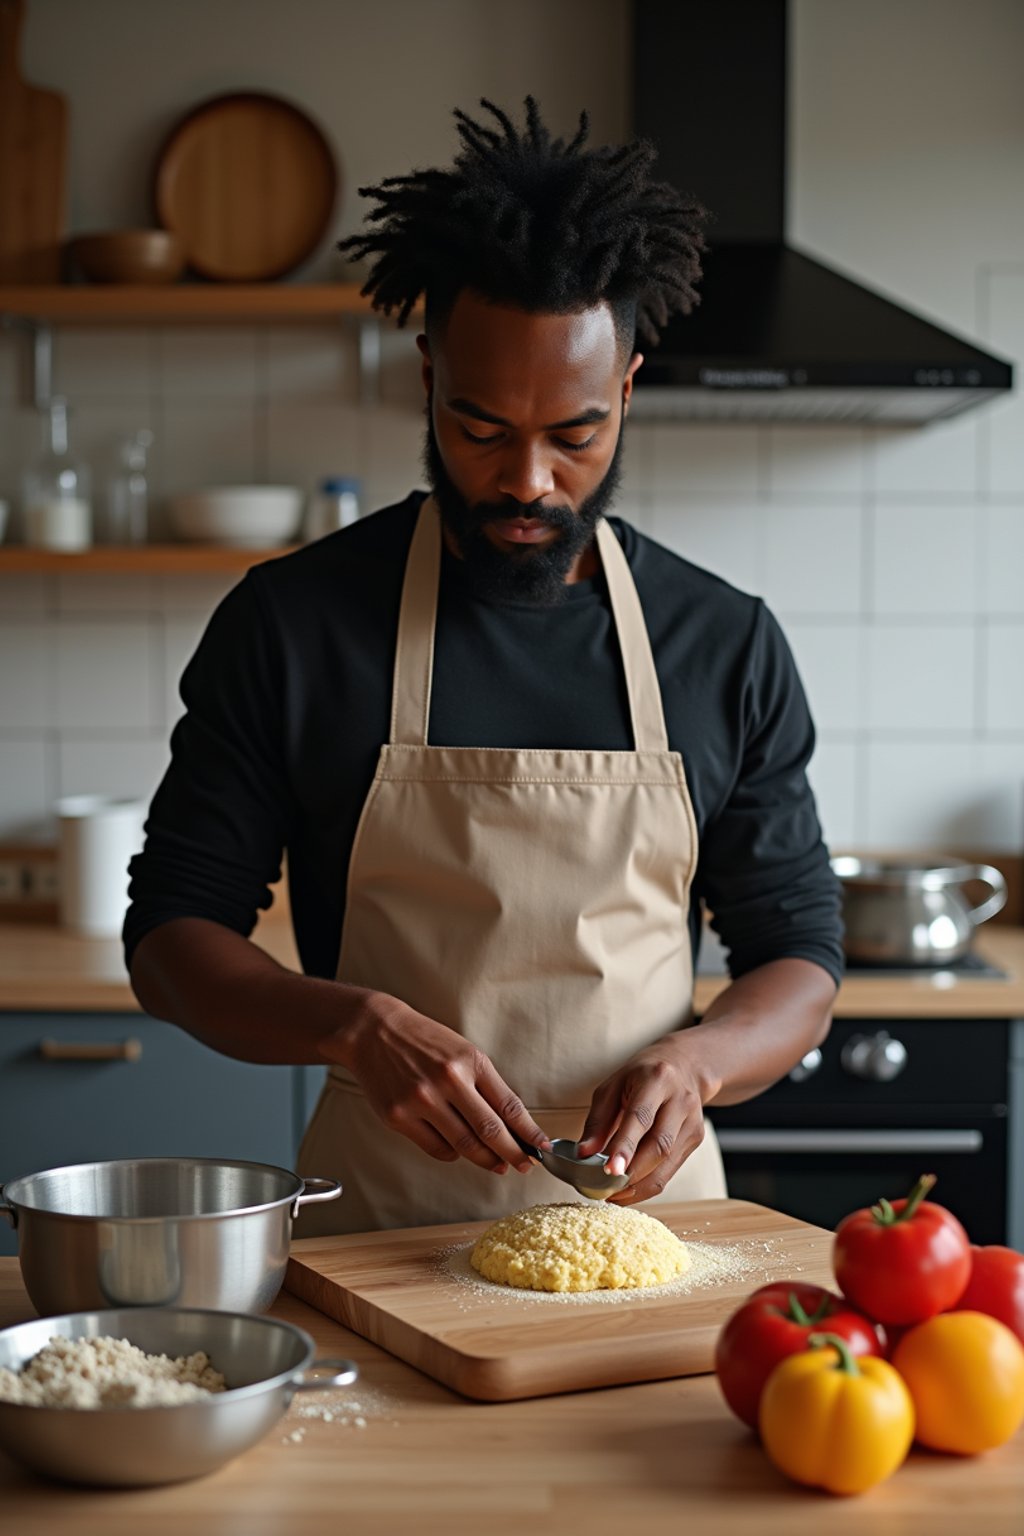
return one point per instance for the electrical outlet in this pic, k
(10, 880)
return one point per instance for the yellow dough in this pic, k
(577, 1247)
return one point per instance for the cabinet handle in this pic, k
(100, 1050)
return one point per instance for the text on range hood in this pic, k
(777, 335)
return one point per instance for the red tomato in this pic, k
(902, 1262)
(996, 1286)
(772, 1323)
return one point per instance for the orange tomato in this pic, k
(965, 1372)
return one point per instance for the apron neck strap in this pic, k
(414, 656)
(645, 706)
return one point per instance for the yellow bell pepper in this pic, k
(833, 1420)
(965, 1372)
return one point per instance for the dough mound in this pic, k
(577, 1247)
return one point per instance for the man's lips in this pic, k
(522, 530)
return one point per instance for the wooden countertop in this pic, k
(46, 969)
(658, 1459)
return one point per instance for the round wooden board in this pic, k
(248, 182)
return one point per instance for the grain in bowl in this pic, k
(105, 1372)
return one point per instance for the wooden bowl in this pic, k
(141, 256)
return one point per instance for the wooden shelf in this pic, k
(214, 303)
(150, 559)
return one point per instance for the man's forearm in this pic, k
(234, 997)
(755, 1031)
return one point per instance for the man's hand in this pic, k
(648, 1117)
(434, 1087)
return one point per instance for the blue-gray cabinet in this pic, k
(84, 1087)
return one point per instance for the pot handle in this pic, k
(342, 1373)
(7, 1210)
(992, 904)
(330, 1190)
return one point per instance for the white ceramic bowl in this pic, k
(247, 516)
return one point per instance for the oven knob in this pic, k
(806, 1066)
(877, 1058)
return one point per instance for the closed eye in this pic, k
(575, 447)
(474, 437)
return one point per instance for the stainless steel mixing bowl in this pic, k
(265, 1362)
(157, 1231)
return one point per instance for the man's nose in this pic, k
(526, 474)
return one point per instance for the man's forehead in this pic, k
(497, 347)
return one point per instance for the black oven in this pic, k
(882, 1102)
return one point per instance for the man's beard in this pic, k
(527, 573)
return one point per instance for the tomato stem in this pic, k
(805, 1319)
(887, 1217)
(846, 1361)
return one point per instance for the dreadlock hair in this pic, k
(537, 223)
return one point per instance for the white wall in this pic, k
(894, 558)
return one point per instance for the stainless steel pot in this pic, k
(157, 1231)
(263, 1361)
(907, 913)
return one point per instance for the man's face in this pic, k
(525, 416)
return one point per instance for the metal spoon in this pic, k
(583, 1173)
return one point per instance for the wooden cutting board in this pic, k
(33, 165)
(412, 1292)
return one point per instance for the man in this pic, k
(511, 747)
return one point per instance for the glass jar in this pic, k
(56, 495)
(335, 505)
(127, 520)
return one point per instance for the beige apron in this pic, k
(535, 901)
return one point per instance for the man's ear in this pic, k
(627, 382)
(427, 367)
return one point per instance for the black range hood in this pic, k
(777, 336)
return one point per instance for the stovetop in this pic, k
(970, 965)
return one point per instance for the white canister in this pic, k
(97, 837)
(58, 522)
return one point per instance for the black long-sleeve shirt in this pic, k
(288, 701)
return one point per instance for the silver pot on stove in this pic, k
(906, 912)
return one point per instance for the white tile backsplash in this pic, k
(114, 595)
(837, 782)
(812, 558)
(104, 676)
(924, 559)
(27, 786)
(309, 441)
(390, 445)
(937, 460)
(26, 675)
(181, 636)
(830, 661)
(723, 536)
(919, 794)
(1002, 565)
(96, 361)
(10, 367)
(26, 594)
(1003, 646)
(817, 460)
(210, 362)
(126, 767)
(210, 443)
(318, 365)
(687, 461)
(920, 677)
